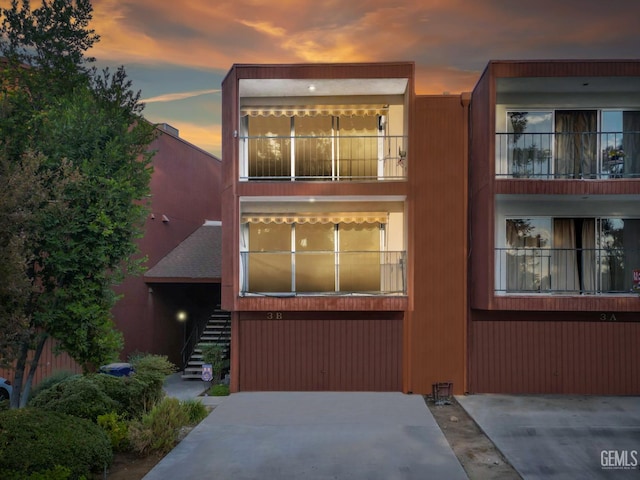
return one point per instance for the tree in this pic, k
(82, 135)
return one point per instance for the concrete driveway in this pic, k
(326, 435)
(562, 436)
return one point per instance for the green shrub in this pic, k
(149, 363)
(159, 429)
(195, 410)
(116, 429)
(36, 441)
(147, 381)
(122, 390)
(80, 396)
(55, 473)
(50, 381)
(219, 390)
(136, 394)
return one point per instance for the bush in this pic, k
(219, 390)
(159, 429)
(50, 381)
(147, 381)
(116, 429)
(80, 396)
(195, 410)
(149, 363)
(55, 473)
(34, 441)
(123, 390)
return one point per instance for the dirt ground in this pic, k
(478, 456)
(129, 466)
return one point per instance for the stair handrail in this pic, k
(192, 340)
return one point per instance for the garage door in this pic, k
(299, 353)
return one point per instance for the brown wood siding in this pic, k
(623, 186)
(331, 303)
(436, 326)
(280, 189)
(332, 70)
(320, 351)
(49, 364)
(229, 201)
(481, 181)
(562, 303)
(544, 353)
(564, 68)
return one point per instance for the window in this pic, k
(571, 255)
(529, 143)
(270, 148)
(307, 253)
(574, 144)
(619, 244)
(620, 143)
(528, 258)
(318, 143)
(269, 263)
(315, 257)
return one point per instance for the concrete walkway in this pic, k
(325, 435)
(562, 436)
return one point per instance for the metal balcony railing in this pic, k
(323, 273)
(324, 158)
(565, 270)
(581, 155)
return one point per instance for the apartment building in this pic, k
(376, 239)
(554, 217)
(324, 174)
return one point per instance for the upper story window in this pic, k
(322, 143)
(569, 144)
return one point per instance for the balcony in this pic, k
(573, 155)
(285, 274)
(324, 158)
(569, 271)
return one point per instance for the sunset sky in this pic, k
(177, 52)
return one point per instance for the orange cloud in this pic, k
(172, 97)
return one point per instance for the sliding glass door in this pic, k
(571, 255)
(312, 255)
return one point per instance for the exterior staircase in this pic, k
(218, 331)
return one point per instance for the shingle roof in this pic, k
(196, 259)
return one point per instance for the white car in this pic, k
(5, 389)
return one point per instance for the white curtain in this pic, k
(588, 255)
(564, 277)
(576, 142)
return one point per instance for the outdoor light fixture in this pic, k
(181, 316)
